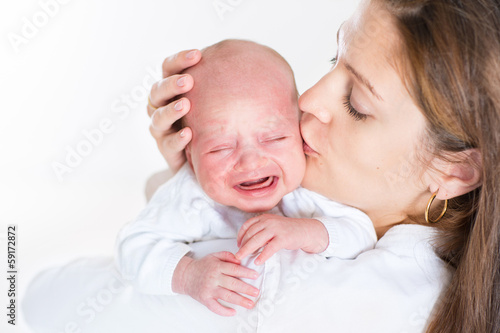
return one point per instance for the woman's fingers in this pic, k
(172, 146)
(166, 89)
(164, 117)
(180, 61)
(171, 141)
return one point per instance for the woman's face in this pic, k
(361, 127)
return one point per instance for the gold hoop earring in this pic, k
(429, 204)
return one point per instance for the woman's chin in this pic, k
(312, 178)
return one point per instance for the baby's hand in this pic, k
(216, 276)
(278, 232)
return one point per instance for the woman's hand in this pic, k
(164, 109)
(216, 276)
(278, 232)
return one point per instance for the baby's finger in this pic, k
(227, 257)
(234, 298)
(180, 61)
(163, 118)
(214, 306)
(238, 286)
(166, 89)
(244, 228)
(238, 271)
(269, 250)
(251, 232)
(253, 244)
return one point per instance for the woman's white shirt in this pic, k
(391, 288)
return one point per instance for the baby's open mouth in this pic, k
(257, 184)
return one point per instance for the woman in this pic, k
(406, 128)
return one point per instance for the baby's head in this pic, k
(246, 149)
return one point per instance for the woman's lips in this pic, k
(308, 150)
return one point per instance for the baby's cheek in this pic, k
(212, 189)
(209, 176)
(215, 187)
(295, 167)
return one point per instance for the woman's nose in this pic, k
(312, 102)
(249, 160)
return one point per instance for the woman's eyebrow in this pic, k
(363, 80)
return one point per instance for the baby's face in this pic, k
(247, 150)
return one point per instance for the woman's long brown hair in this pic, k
(451, 64)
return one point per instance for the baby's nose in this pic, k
(250, 160)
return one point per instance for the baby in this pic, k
(245, 158)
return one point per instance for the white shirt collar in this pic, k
(409, 240)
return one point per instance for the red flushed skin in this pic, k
(246, 150)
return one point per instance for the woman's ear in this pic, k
(458, 173)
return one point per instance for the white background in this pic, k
(76, 69)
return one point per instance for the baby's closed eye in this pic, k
(276, 138)
(220, 149)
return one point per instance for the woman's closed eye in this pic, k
(352, 111)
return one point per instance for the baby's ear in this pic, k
(460, 173)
